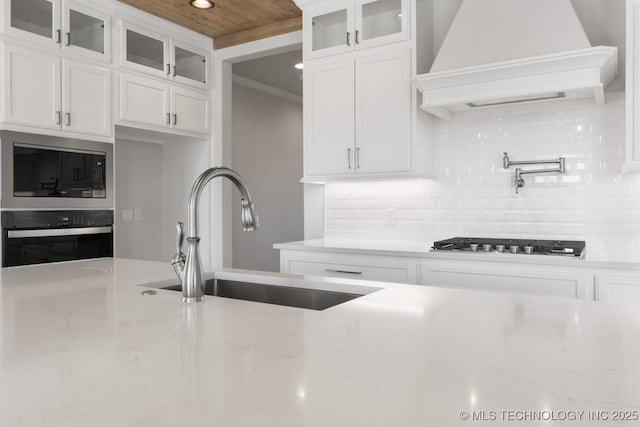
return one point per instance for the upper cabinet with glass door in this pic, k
(70, 24)
(342, 26)
(152, 53)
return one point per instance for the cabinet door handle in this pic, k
(357, 38)
(358, 158)
(58, 36)
(330, 270)
(168, 118)
(58, 117)
(68, 115)
(175, 119)
(349, 158)
(348, 38)
(168, 69)
(174, 71)
(68, 39)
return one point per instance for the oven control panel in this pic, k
(56, 219)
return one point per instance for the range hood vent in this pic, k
(501, 52)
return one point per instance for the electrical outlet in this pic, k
(390, 215)
(138, 214)
(127, 215)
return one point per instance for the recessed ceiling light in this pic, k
(299, 65)
(202, 4)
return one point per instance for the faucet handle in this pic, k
(179, 237)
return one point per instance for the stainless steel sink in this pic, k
(313, 299)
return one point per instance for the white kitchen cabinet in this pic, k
(155, 104)
(86, 100)
(376, 268)
(632, 89)
(153, 53)
(189, 110)
(508, 277)
(46, 91)
(357, 114)
(72, 25)
(342, 26)
(618, 289)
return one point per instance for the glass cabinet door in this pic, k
(37, 18)
(86, 31)
(381, 21)
(381, 18)
(189, 65)
(329, 30)
(145, 51)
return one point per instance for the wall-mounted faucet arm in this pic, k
(519, 181)
(506, 163)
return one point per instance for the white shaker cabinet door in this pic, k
(144, 101)
(383, 112)
(87, 100)
(31, 88)
(190, 110)
(329, 118)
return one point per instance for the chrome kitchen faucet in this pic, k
(189, 268)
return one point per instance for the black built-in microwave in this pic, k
(45, 171)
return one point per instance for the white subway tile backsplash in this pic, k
(471, 194)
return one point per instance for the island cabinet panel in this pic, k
(618, 289)
(510, 278)
(385, 269)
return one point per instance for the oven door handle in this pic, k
(20, 234)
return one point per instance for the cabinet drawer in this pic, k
(618, 289)
(528, 281)
(381, 269)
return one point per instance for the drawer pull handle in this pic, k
(329, 270)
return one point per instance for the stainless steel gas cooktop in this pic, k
(571, 248)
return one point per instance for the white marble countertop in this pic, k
(80, 346)
(423, 250)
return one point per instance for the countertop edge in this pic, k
(409, 250)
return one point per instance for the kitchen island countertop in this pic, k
(81, 346)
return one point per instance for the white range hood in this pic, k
(509, 51)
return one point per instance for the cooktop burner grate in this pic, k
(573, 248)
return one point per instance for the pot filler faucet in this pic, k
(519, 180)
(189, 268)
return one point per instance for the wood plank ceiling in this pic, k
(230, 22)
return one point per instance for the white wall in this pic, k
(267, 153)
(137, 175)
(472, 195)
(156, 178)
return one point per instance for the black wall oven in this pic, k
(33, 237)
